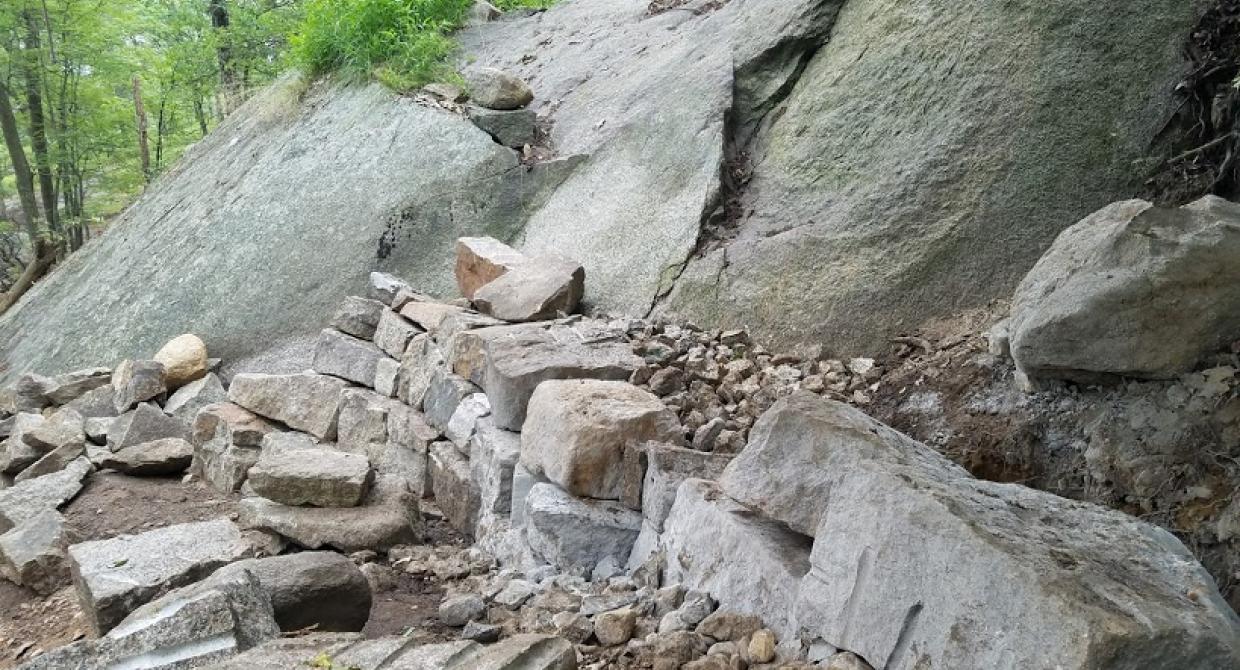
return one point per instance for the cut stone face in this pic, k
(389, 517)
(28, 499)
(482, 260)
(570, 532)
(137, 381)
(541, 289)
(33, 553)
(226, 439)
(187, 400)
(305, 402)
(167, 456)
(454, 490)
(318, 477)
(347, 357)
(358, 317)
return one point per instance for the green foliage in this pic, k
(523, 4)
(403, 43)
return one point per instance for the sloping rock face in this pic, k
(797, 166)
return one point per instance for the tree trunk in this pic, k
(200, 113)
(229, 84)
(144, 151)
(38, 127)
(42, 256)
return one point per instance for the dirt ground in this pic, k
(113, 504)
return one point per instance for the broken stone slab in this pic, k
(417, 368)
(493, 454)
(384, 287)
(387, 373)
(522, 652)
(163, 457)
(114, 577)
(53, 461)
(570, 532)
(191, 627)
(465, 418)
(184, 359)
(358, 317)
(541, 289)
(306, 402)
(145, 423)
(429, 315)
(393, 332)
(282, 441)
(516, 365)
(97, 427)
(482, 260)
(1168, 275)
(64, 427)
(97, 403)
(318, 477)
(454, 491)
(466, 351)
(347, 357)
(495, 89)
(654, 473)
(187, 400)
(291, 652)
(32, 554)
(226, 439)
(389, 517)
(30, 498)
(519, 652)
(70, 386)
(576, 430)
(17, 455)
(137, 381)
(750, 564)
(512, 128)
(407, 449)
(444, 395)
(320, 589)
(363, 420)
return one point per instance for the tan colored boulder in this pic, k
(184, 358)
(482, 260)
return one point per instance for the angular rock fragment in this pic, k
(137, 381)
(512, 128)
(184, 359)
(226, 439)
(319, 589)
(482, 260)
(305, 402)
(347, 357)
(1168, 276)
(97, 427)
(358, 317)
(32, 554)
(541, 289)
(363, 420)
(63, 428)
(516, 365)
(163, 457)
(99, 402)
(444, 394)
(576, 430)
(495, 89)
(146, 423)
(493, 454)
(32, 497)
(113, 577)
(70, 386)
(387, 372)
(429, 316)
(30, 393)
(652, 481)
(389, 517)
(16, 454)
(465, 419)
(569, 532)
(54, 461)
(393, 332)
(456, 611)
(384, 287)
(454, 492)
(318, 477)
(187, 400)
(417, 368)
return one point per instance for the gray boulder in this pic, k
(454, 491)
(187, 400)
(146, 423)
(541, 289)
(493, 456)
(358, 317)
(347, 357)
(389, 517)
(456, 611)
(384, 287)
(16, 454)
(444, 395)
(393, 332)
(576, 430)
(510, 127)
(70, 386)
(97, 427)
(28, 499)
(29, 393)
(496, 89)
(1132, 290)
(32, 554)
(569, 532)
(137, 381)
(53, 461)
(63, 428)
(417, 368)
(163, 457)
(114, 577)
(97, 403)
(517, 364)
(306, 402)
(387, 372)
(318, 477)
(226, 439)
(482, 260)
(319, 589)
(651, 482)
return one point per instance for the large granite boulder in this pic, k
(184, 358)
(1132, 290)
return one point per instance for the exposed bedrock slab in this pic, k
(113, 577)
(571, 532)
(576, 430)
(388, 517)
(306, 402)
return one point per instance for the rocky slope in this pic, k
(820, 171)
